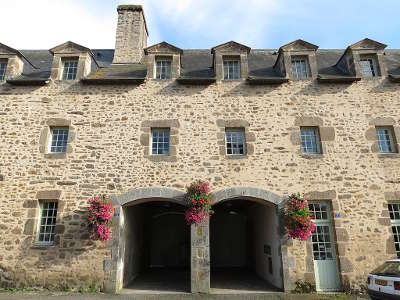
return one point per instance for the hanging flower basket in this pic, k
(100, 215)
(199, 200)
(299, 222)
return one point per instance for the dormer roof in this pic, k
(4, 49)
(69, 47)
(367, 44)
(231, 46)
(72, 48)
(298, 45)
(163, 47)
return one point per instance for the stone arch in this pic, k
(147, 194)
(114, 266)
(250, 193)
(274, 204)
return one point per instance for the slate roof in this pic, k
(196, 65)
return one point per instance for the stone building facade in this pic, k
(78, 122)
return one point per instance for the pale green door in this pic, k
(325, 263)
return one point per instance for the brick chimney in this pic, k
(131, 37)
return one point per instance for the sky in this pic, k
(196, 24)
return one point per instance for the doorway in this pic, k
(244, 248)
(157, 248)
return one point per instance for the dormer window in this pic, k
(163, 68)
(300, 68)
(3, 67)
(70, 68)
(368, 67)
(231, 69)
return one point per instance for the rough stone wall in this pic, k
(108, 157)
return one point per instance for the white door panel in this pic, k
(325, 264)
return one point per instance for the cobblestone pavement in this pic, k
(99, 296)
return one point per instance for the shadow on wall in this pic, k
(173, 88)
(74, 260)
(78, 88)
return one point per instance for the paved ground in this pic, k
(223, 281)
(181, 296)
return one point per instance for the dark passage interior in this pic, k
(244, 247)
(157, 248)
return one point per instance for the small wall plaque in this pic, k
(267, 249)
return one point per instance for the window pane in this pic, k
(163, 69)
(3, 67)
(310, 142)
(300, 68)
(231, 69)
(47, 222)
(394, 213)
(235, 142)
(368, 67)
(59, 140)
(160, 141)
(385, 140)
(70, 70)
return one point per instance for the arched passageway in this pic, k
(156, 247)
(245, 246)
(153, 250)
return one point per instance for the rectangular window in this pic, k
(163, 68)
(368, 67)
(235, 141)
(160, 141)
(386, 140)
(231, 69)
(47, 222)
(3, 67)
(310, 140)
(394, 212)
(59, 139)
(70, 68)
(300, 68)
(322, 238)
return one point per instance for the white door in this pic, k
(325, 264)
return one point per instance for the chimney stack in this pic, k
(131, 37)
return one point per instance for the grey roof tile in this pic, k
(196, 64)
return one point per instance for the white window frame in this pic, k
(373, 69)
(51, 137)
(3, 76)
(235, 131)
(228, 61)
(395, 222)
(39, 223)
(391, 136)
(322, 222)
(317, 140)
(296, 66)
(165, 129)
(162, 61)
(69, 60)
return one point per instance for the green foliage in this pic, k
(303, 287)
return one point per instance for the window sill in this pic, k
(237, 156)
(42, 246)
(371, 78)
(312, 156)
(162, 80)
(158, 158)
(67, 80)
(55, 155)
(303, 79)
(388, 155)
